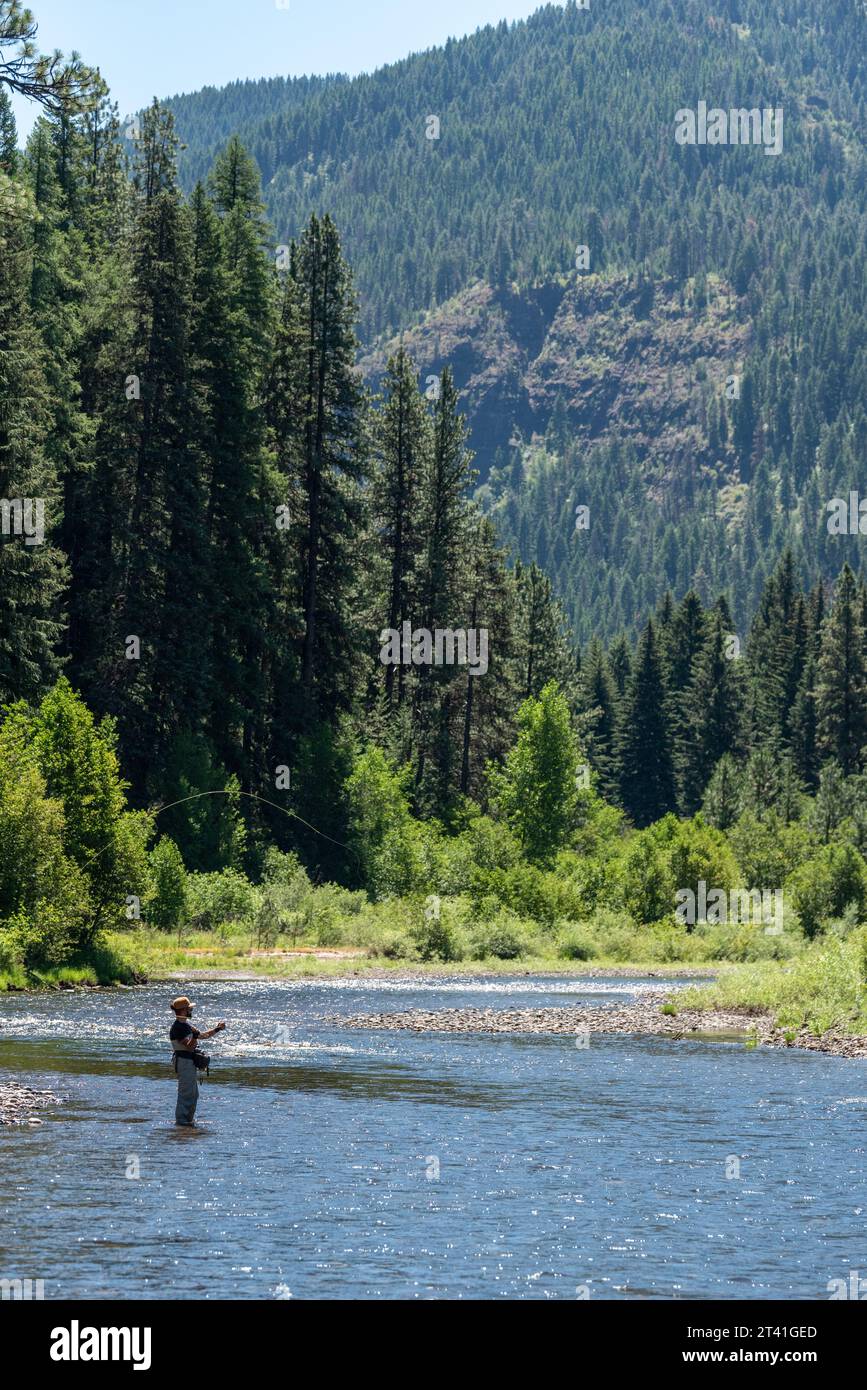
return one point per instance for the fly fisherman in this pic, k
(184, 1039)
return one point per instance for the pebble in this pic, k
(17, 1103)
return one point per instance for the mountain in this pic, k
(552, 132)
(589, 353)
(705, 351)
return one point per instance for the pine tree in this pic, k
(722, 800)
(58, 293)
(485, 710)
(546, 653)
(776, 651)
(234, 334)
(841, 687)
(647, 786)
(403, 448)
(711, 722)
(330, 466)
(121, 572)
(802, 726)
(620, 662)
(446, 526)
(8, 136)
(599, 699)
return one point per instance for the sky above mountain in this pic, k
(165, 47)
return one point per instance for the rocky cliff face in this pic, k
(613, 356)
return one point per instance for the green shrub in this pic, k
(484, 845)
(40, 941)
(325, 911)
(11, 955)
(530, 892)
(697, 853)
(575, 943)
(743, 941)
(435, 935)
(215, 900)
(391, 945)
(768, 851)
(823, 987)
(590, 880)
(288, 873)
(383, 929)
(503, 936)
(823, 887)
(535, 790)
(167, 906)
(390, 845)
(858, 945)
(618, 937)
(646, 886)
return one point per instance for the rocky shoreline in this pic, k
(18, 1104)
(643, 1015)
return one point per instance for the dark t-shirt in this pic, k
(180, 1029)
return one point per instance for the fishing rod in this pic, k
(252, 796)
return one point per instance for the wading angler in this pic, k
(187, 1058)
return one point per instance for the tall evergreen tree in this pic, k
(647, 785)
(545, 650)
(600, 700)
(711, 722)
(446, 525)
(841, 687)
(403, 438)
(330, 466)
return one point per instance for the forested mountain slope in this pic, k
(697, 376)
(553, 132)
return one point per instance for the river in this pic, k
(336, 1163)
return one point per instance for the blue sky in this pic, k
(147, 48)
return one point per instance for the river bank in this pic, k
(335, 964)
(645, 1015)
(376, 970)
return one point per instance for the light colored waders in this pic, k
(188, 1090)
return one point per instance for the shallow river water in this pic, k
(338, 1163)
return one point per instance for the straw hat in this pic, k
(182, 1002)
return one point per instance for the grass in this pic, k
(386, 938)
(156, 955)
(822, 989)
(101, 964)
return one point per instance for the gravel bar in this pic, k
(642, 1016)
(18, 1104)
